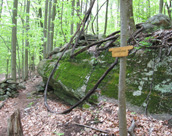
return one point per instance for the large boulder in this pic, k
(146, 72)
(159, 21)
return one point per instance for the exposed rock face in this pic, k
(159, 21)
(74, 77)
(148, 73)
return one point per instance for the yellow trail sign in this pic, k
(120, 51)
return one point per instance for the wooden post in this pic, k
(14, 124)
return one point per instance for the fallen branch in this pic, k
(95, 43)
(131, 128)
(92, 128)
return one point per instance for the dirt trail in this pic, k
(37, 121)
(21, 102)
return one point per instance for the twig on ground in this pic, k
(91, 128)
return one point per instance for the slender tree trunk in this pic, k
(130, 20)
(97, 17)
(40, 15)
(161, 6)
(81, 6)
(6, 75)
(14, 39)
(122, 76)
(45, 29)
(52, 23)
(72, 14)
(49, 28)
(27, 40)
(78, 11)
(61, 18)
(41, 25)
(106, 17)
(169, 9)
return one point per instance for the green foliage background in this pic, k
(142, 11)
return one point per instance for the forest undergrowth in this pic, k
(100, 119)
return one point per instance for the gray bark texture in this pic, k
(130, 20)
(52, 23)
(27, 40)
(45, 28)
(14, 39)
(122, 76)
(49, 28)
(161, 6)
(106, 17)
(72, 14)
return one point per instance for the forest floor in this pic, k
(100, 119)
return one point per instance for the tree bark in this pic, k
(52, 23)
(72, 14)
(14, 125)
(45, 29)
(161, 6)
(97, 19)
(106, 17)
(14, 39)
(122, 74)
(27, 40)
(78, 11)
(49, 30)
(130, 20)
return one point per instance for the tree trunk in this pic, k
(52, 23)
(14, 125)
(45, 29)
(42, 26)
(40, 14)
(78, 11)
(106, 17)
(130, 20)
(14, 39)
(6, 75)
(97, 21)
(169, 9)
(122, 74)
(23, 44)
(49, 31)
(160, 6)
(72, 14)
(27, 40)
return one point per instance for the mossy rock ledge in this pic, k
(73, 78)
